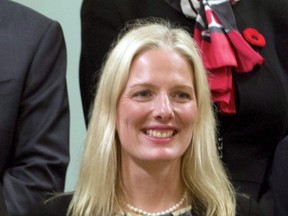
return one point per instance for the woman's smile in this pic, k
(160, 133)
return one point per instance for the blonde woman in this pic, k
(150, 147)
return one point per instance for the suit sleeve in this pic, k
(280, 178)
(41, 144)
(3, 210)
(100, 25)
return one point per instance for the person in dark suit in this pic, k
(280, 178)
(248, 137)
(34, 115)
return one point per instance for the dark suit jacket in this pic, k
(3, 209)
(280, 178)
(250, 136)
(34, 116)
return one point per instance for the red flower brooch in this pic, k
(254, 37)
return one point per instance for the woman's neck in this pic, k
(154, 188)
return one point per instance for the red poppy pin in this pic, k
(254, 37)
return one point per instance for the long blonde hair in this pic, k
(202, 170)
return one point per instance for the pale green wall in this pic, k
(67, 13)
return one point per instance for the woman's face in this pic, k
(157, 108)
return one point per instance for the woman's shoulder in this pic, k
(54, 206)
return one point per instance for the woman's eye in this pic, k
(142, 95)
(183, 96)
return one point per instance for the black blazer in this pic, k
(250, 136)
(3, 209)
(34, 116)
(280, 178)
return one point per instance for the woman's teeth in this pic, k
(159, 134)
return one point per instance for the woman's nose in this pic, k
(163, 108)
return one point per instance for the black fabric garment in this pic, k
(34, 113)
(249, 137)
(279, 178)
(3, 209)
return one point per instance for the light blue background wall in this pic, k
(67, 13)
